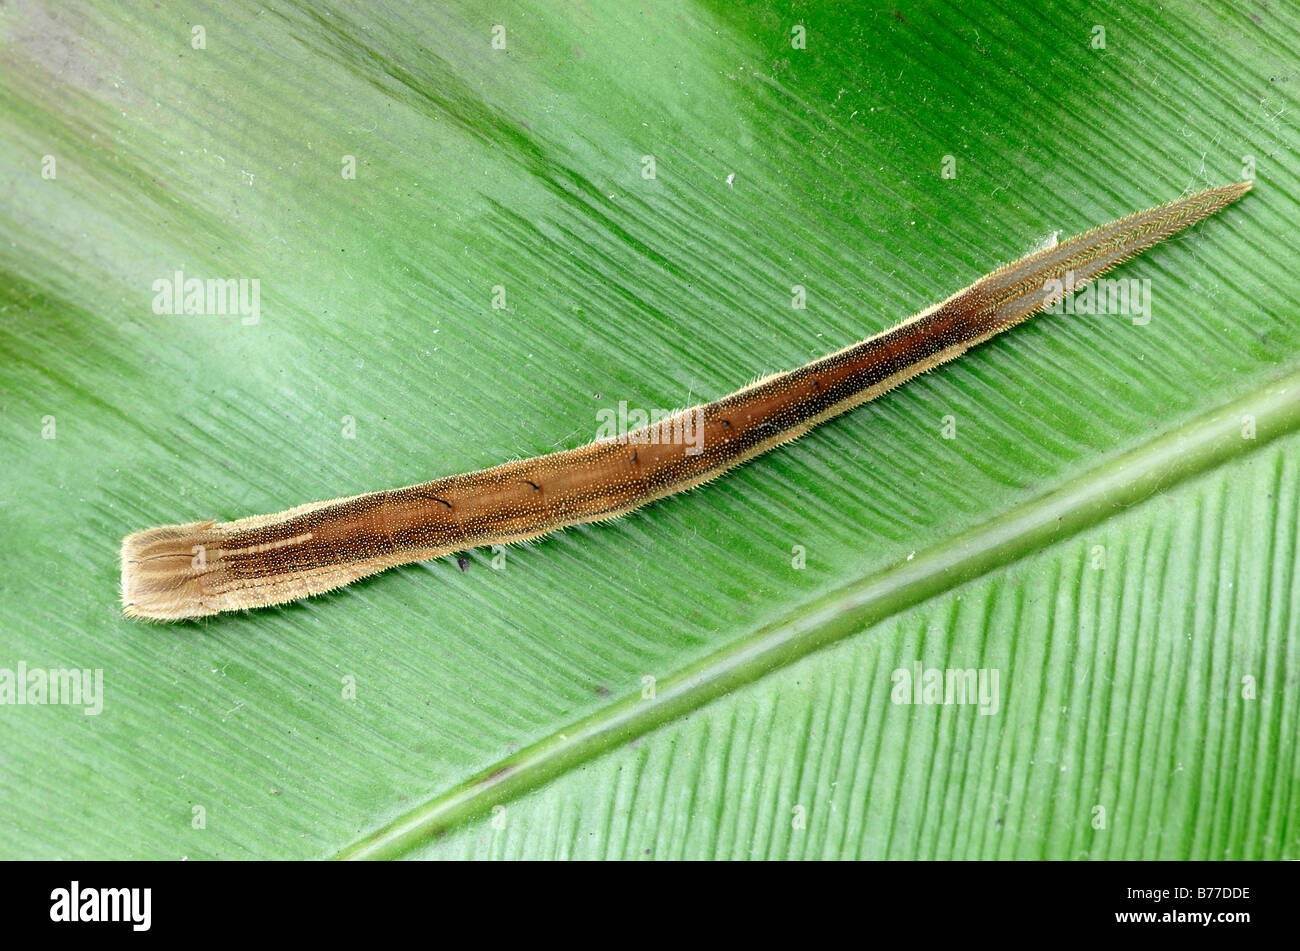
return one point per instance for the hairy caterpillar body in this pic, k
(205, 567)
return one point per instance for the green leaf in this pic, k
(1112, 529)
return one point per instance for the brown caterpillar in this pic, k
(181, 571)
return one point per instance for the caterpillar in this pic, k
(206, 567)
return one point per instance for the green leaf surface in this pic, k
(1112, 529)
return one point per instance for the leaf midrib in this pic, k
(1179, 454)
